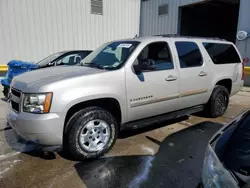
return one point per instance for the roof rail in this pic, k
(179, 36)
(168, 35)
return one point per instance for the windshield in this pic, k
(110, 56)
(50, 58)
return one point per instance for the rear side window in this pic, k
(222, 53)
(189, 54)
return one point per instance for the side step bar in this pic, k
(160, 118)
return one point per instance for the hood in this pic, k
(32, 81)
(22, 64)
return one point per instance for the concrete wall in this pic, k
(33, 29)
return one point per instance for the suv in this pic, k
(122, 85)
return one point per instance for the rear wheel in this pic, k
(92, 132)
(218, 103)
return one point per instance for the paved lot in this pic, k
(165, 155)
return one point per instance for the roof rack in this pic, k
(179, 36)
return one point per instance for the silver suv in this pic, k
(122, 85)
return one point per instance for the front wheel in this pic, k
(92, 132)
(218, 102)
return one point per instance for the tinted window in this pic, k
(189, 54)
(222, 53)
(157, 55)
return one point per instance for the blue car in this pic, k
(61, 58)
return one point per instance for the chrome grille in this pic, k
(15, 99)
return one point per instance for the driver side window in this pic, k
(155, 57)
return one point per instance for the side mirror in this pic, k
(143, 68)
(137, 69)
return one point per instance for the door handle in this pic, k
(202, 73)
(171, 78)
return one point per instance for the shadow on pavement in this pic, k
(178, 163)
(133, 132)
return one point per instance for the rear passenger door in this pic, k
(194, 74)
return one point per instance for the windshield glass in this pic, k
(110, 56)
(50, 58)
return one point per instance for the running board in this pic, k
(160, 118)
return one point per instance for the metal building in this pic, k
(33, 29)
(206, 18)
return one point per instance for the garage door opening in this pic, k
(213, 18)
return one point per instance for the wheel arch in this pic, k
(108, 103)
(226, 82)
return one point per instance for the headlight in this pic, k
(214, 174)
(37, 103)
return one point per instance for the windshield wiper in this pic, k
(93, 65)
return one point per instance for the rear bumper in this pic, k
(42, 129)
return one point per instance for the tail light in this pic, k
(245, 60)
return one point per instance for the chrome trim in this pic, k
(150, 101)
(194, 92)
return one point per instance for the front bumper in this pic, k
(43, 129)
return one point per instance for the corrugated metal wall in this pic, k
(33, 29)
(152, 24)
(244, 25)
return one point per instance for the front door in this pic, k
(152, 91)
(195, 79)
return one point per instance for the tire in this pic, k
(91, 133)
(218, 102)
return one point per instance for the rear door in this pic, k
(195, 79)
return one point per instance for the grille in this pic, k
(15, 99)
(15, 92)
